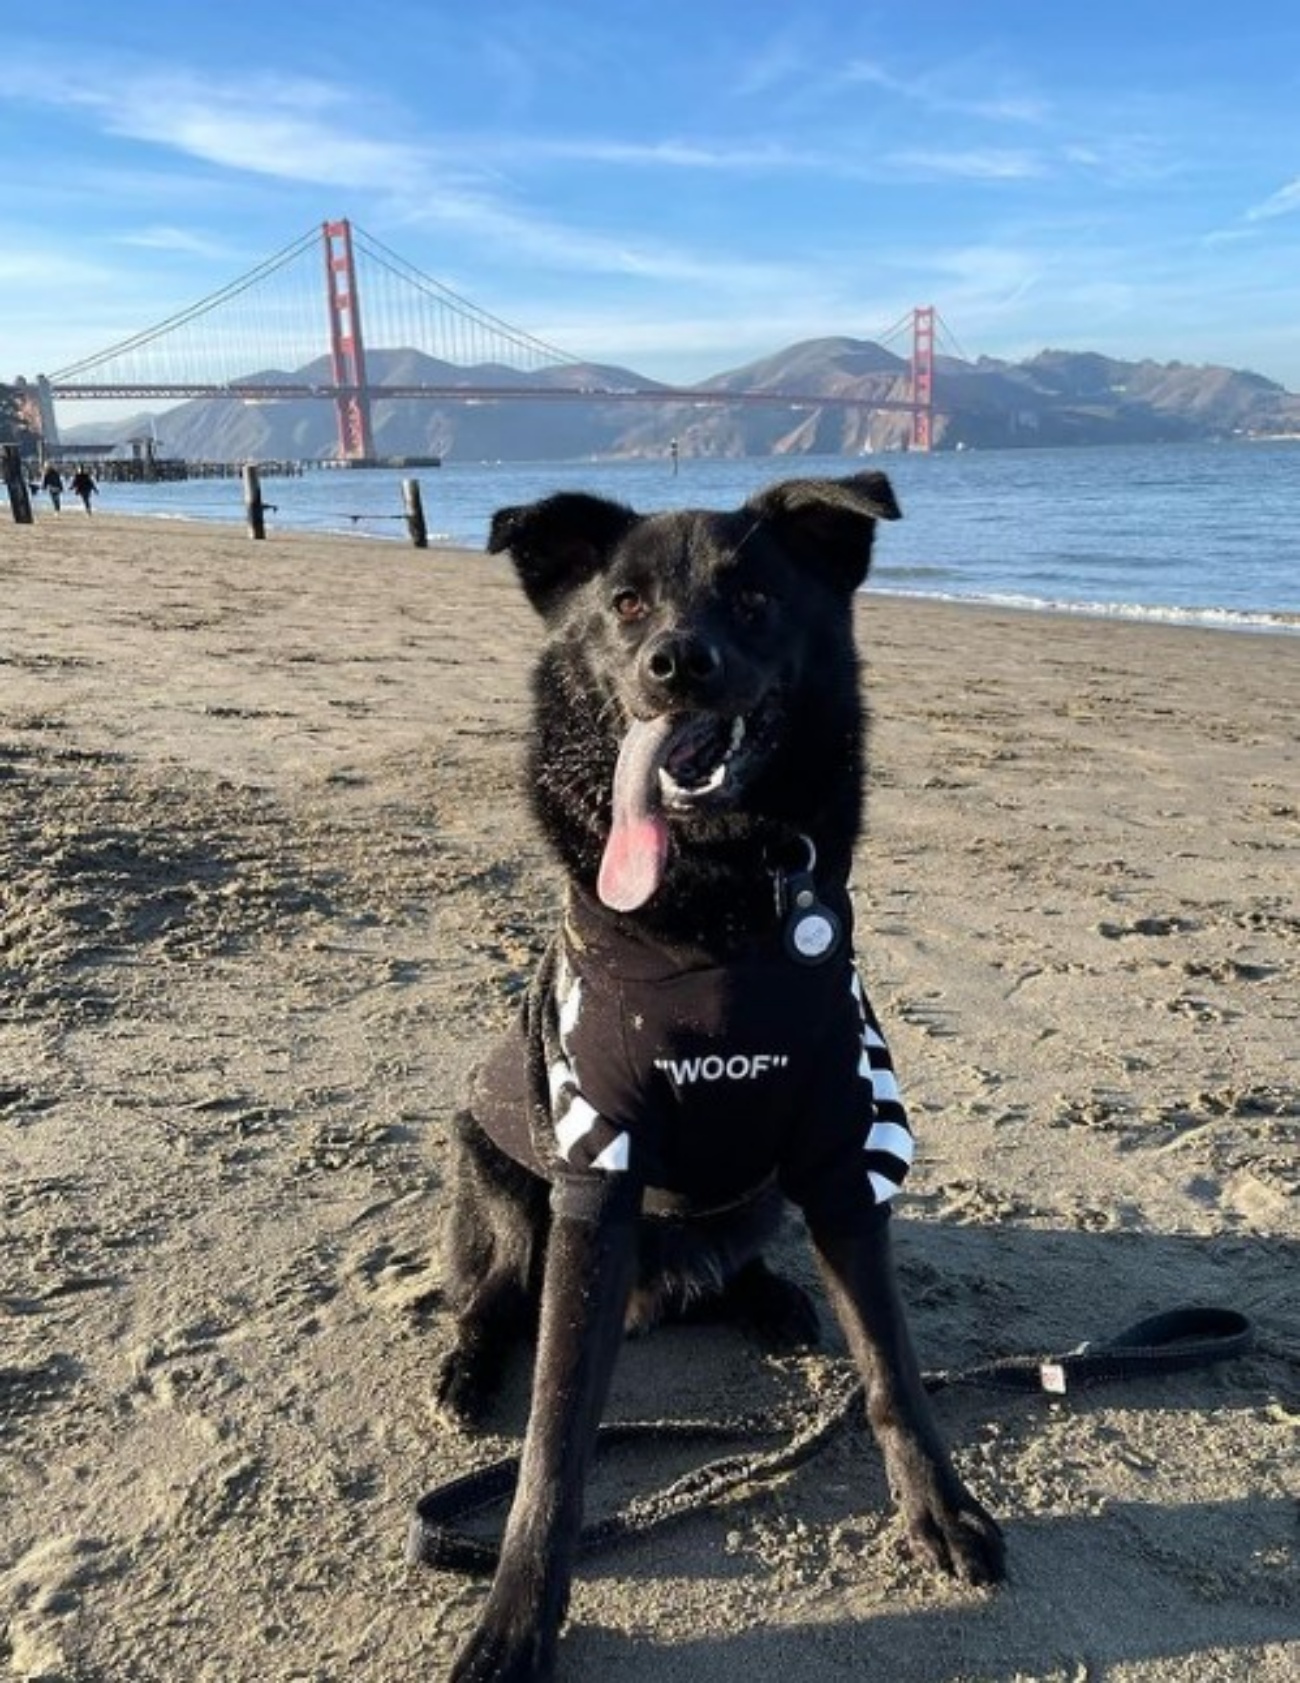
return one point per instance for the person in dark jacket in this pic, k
(83, 486)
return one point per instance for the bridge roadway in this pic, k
(181, 391)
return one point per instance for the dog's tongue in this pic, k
(637, 849)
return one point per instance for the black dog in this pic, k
(696, 1048)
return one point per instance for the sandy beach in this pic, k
(267, 887)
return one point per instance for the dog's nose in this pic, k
(681, 664)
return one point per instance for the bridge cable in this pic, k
(183, 317)
(462, 307)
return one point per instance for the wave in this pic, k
(1217, 619)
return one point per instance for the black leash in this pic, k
(1168, 1343)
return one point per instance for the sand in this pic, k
(267, 887)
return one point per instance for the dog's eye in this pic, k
(753, 603)
(630, 605)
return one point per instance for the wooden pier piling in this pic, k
(254, 507)
(414, 505)
(20, 500)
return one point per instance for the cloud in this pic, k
(42, 267)
(286, 127)
(779, 62)
(974, 165)
(672, 154)
(173, 239)
(936, 91)
(1284, 202)
(564, 247)
(305, 131)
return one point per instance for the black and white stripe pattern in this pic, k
(584, 1138)
(889, 1145)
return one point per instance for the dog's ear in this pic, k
(560, 542)
(829, 524)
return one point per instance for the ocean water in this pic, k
(1204, 534)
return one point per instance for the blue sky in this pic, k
(676, 187)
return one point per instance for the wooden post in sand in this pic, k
(19, 497)
(254, 507)
(415, 513)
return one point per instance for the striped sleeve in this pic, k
(889, 1147)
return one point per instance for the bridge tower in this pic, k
(347, 347)
(923, 376)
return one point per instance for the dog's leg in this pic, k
(945, 1524)
(487, 1329)
(587, 1280)
(496, 1231)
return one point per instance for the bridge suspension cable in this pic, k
(465, 333)
(274, 318)
(126, 348)
(904, 329)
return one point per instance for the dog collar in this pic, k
(812, 931)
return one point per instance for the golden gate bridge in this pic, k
(270, 319)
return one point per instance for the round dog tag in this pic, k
(812, 931)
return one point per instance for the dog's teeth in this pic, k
(684, 793)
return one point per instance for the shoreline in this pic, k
(268, 888)
(1255, 623)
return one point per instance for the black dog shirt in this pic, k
(707, 1080)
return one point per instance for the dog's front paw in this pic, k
(958, 1536)
(508, 1646)
(464, 1389)
(494, 1656)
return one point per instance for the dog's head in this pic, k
(687, 649)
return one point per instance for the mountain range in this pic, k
(1053, 398)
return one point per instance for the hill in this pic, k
(1056, 397)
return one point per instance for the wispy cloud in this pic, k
(775, 63)
(288, 129)
(291, 128)
(309, 132)
(561, 246)
(22, 262)
(1285, 202)
(669, 154)
(944, 89)
(975, 165)
(172, 239)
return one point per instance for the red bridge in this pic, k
(270, 317)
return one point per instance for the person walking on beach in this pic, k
(83, 486)
(52, 481)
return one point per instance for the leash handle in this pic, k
(1173, 1342)
(1170, 1343)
